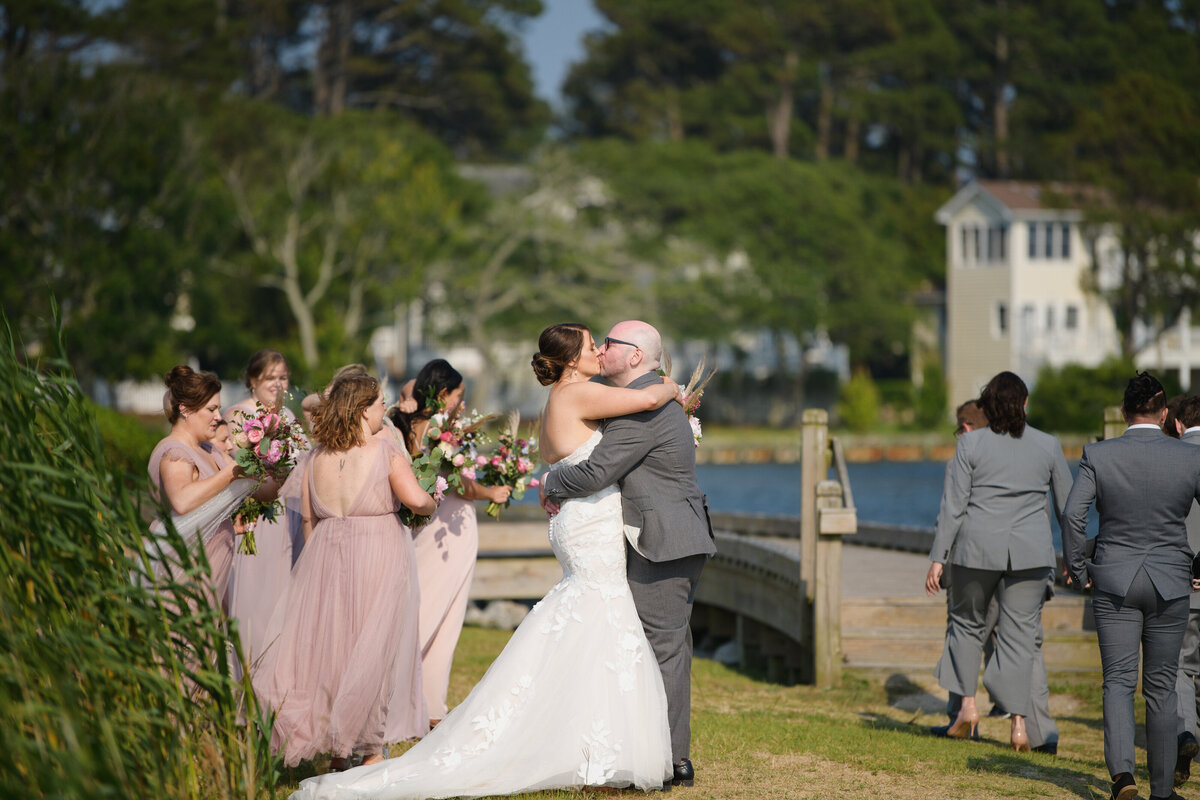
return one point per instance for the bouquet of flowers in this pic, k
(511, 465)
(692, 393)
(267, 447)
(445, 455)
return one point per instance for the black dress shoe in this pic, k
(1123, 787)
(1188, 748)
(684, 774)
(1050, 748)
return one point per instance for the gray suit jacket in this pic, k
(1144, 484)
(1193, 520)
(652, 455)
(993, 513)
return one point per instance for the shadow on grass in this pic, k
(1078, 783)
(1095, 723)
(904, 694)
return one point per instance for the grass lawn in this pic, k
(867, 739)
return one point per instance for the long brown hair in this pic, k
(337, 422)
(1003, 403)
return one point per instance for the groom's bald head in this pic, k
(633, 348)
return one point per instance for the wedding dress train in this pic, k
(575, 699)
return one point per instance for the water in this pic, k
(889, 492)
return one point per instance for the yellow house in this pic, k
(1016, 278)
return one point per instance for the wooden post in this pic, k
(1114, 422)
(814, 446)
(833, 522)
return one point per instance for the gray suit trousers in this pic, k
(1189, 671)
(1009, 674)
(663, 593)
(1141, 621)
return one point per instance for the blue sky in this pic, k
(554, 40)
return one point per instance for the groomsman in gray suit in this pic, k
(1187, 425)
(652, 455)
(1143, 483)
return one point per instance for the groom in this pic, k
(652, 455)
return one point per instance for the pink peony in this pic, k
(447, 436)
(523, 466)
(468, 473)
(274, 452)
(496, 461)
(459, 460)
(480, 461)
(534, 482)
(439, 489)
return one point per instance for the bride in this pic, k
(576, 698)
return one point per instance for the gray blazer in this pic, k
(1144, 484)
(652, 455)
(1193, 521)
(993, 513)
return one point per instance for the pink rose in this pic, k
(480, 461)
(274, 452)
(447, 436)
(534, 482)
(254, 432)
(495, 461)
(468, 473)
(459, 460)
(523, 466)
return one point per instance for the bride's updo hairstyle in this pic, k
(434, 378)
(190, 389)
(558, 346)
(337, 422)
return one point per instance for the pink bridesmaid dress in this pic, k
(260, 580)
(343, 651)
(446, 547)
(219, 548)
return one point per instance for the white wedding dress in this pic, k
(576, 698)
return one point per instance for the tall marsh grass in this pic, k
(107, 688)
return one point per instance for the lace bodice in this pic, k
(587, 533)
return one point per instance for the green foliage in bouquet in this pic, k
(109, 686)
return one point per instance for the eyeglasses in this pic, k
(608, 341)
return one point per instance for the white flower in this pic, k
(697, 433)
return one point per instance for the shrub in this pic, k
(127, 441)
(1072, 399)
(107, 688)
(859, 408)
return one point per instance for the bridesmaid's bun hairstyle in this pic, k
(1003, 403)
(558, 346)
(337, 422)
(190, 389)
(259, 363)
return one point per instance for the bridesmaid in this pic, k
(345, 639)
(446, 546)
(259, 580)
(187, 470)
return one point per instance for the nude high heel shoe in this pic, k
(1020, 739)
(965, 723)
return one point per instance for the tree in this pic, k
(340, 216)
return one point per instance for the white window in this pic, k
(1072, 318)
(1033, 249)
(1049, 318)
(1003, 236)
(978, 244)
(1049, 243)
(1065, 247)
(962, 254)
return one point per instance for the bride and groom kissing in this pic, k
(594, 687)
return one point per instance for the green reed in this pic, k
(107, 688)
